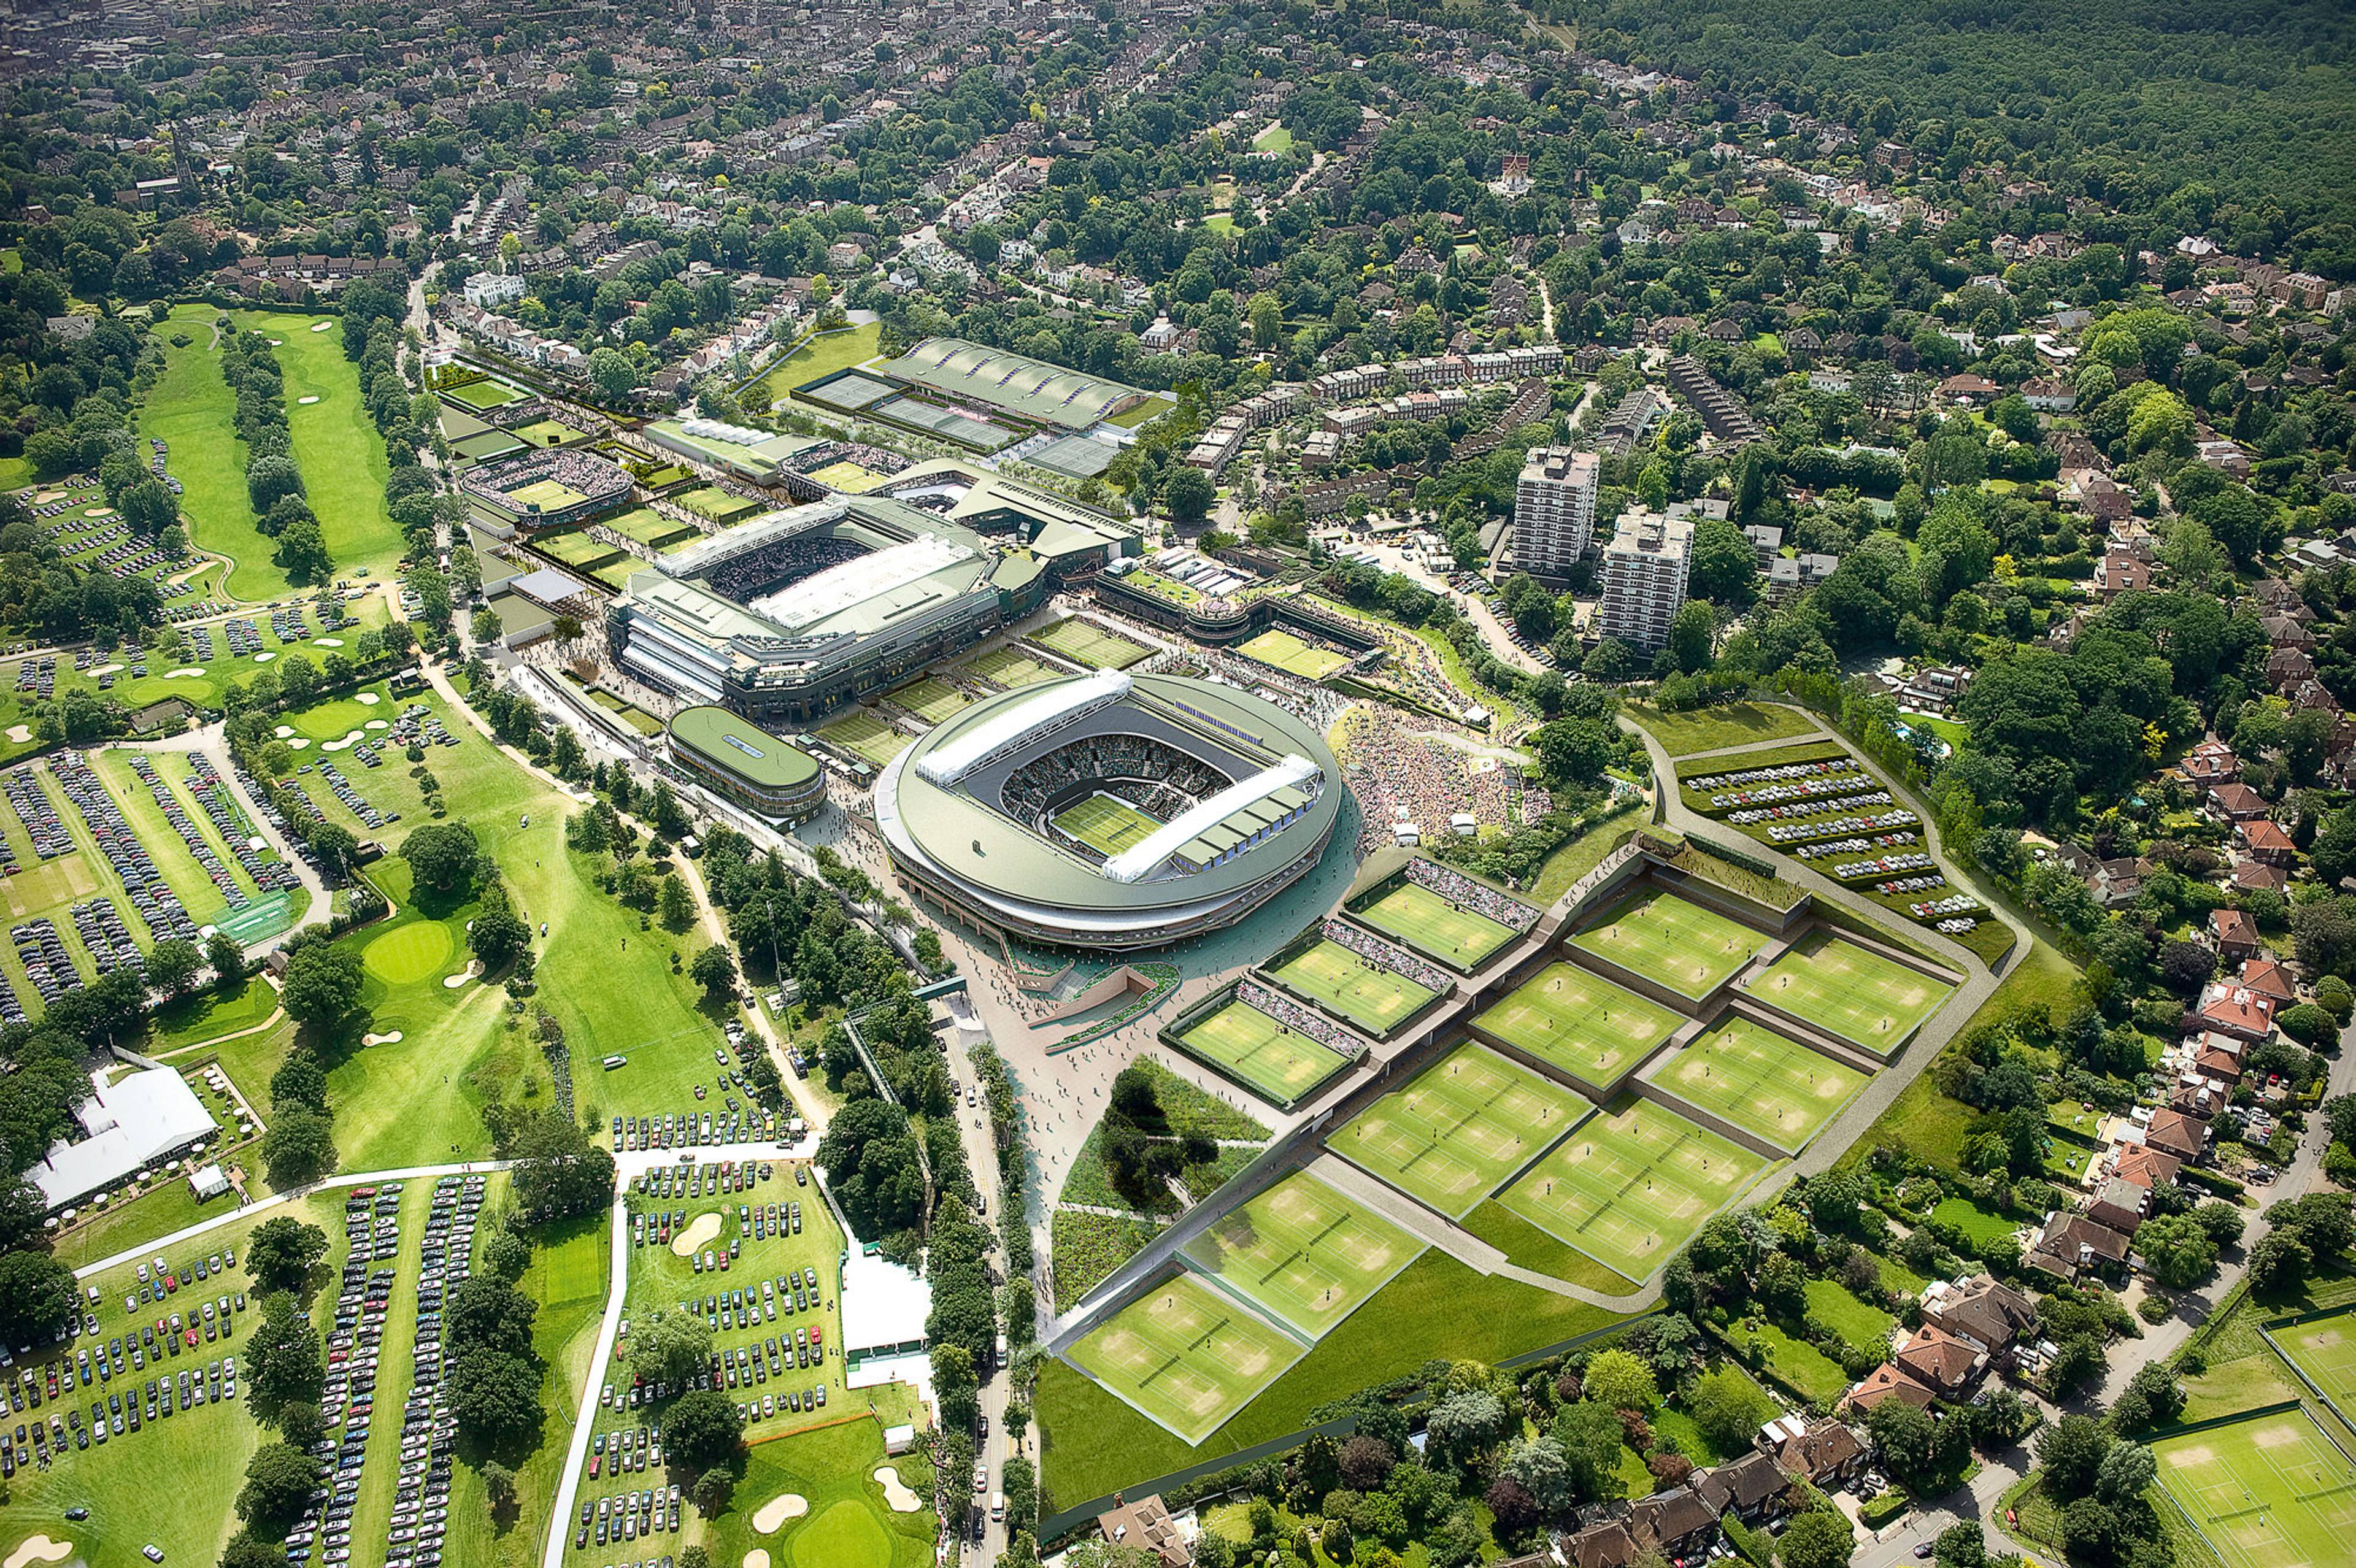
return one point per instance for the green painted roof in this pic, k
(743, 748)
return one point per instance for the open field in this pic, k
(1373, 998)
(1414, 914)
(1106, 825)
(1672, 942)
(865, 734)
(190, 408)
(1580, 1022)
(823, 356)
(1288, 652)
(1302, 1254)
(1761, 1082)
(1186, 1357)
(1631, 1185)
(1465, 1125)
(1265, 1056)
(1084, 643)
(1850, 992)
(1713, 729)
(2269, 1492)
(336, 441)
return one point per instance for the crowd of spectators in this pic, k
(1384, 955)
(1400, 773)
(1171, 779)
(1299, 1019)
(1466, 894)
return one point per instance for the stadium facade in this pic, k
(1107, 811)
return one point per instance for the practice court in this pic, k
(1761, 1082)
(1302, 1254)
(1631, 1185)
(1850, 992)
(1467, 1123)
(1673, 941)
(2270, 1491)
(1186, 1356)
(1577, 1021)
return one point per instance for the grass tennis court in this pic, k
(1469, 1121)
(855, 478)
(1432, 925)
(1186, 1357)
(1761, 1082)
(1632, 1186)
(2271, 1491)
(934, 701)
(1579, 1021)
(548, 494)
(1851, 991)
(1009, 668)
(1302, 1253)
(1672, 942)
(867, 735)
(1288, 652)
(1278, 1064)
(2325, 1350)
(1372, 997)
(480, 395)
(1088, 643)
(1106, 825)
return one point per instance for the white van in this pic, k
(998, 1507)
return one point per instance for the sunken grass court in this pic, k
(1850, 992)
(1186, 1357)
(1460, 938)
(1631, 1185)
(1371, 996)
(1762, 1081)
(1302, 1254)
(1672, 942)
(1281, 1065)
(2268, 1490)
(1579, 1023)
(1464, 1125)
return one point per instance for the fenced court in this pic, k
(1186, 1357)
(2325, 1350)
(1106, 825)
(2270, 1491)
(1851, 991)
(1761, 1081)
(1280, 1064)
(1576, 1020)
(1290, 653)
(1089, 644)
(1631, 1185)
(1432, 925)
(868, 736)
(1362, 991)
(1469, 1122)
(1302, 1254)
(1009, 668)
(1672, 942)
(934, 701)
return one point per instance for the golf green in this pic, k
(408, 953)
(847, 1535)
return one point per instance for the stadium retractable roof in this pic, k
(1141, 859)
(839, 588)
(1020, 723)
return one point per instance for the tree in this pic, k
(494, 1395)
(1907, 1438)
(302, 551)
(1725, 563)
(1729, 1408)
(559, 1172)
(445, 856)
(247, 1550)
(271, 476)
(612, 375)
(172, 965)
(1692, 635)
(703, 1429)
(714, 969)
(2125, 1472)
(2072, 1451)
(1819, 1538)
(278, 1482)
(1187, 494)
(283, 1356)
(1619, 1380)
(300, 1147)
(322, 983)
(283, 1251)
(1464, 1424)
(670, 1347)
(955, 1383)
(1575, 751)
(500, 1483)
(486, 627)
(2151, 1398)
(38, 1298)
(2180, 1253)
(225, 958)
(498, 937)
(1592, 1437)
(1962, 1545)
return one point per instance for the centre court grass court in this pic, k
(1106, 825)
(1467, 1123)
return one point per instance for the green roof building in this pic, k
(741, 761)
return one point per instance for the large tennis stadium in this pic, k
(1109, 810)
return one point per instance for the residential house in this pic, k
(1677, 1524)
(1146, 1525)
(2236, 802)
(2120, 1206)
(1939, 1361)
(1982, 1313)
(2173, 1132)
(1750, 1488)
(2209, 762)
(2143, 1166)
(2049, 397)
(1966, 388)
(2284, 630)
(2234, 933)
(2264, 839)
(2233, 1009)
(2072, 1244)
(2266, 978)
(1820, 1452)
(1888, 1381)
(2118, 572)
(2256, 876)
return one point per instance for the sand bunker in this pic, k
(263, 658)
(183, 673)
(900, 1499)
(392, 1037)
(327, 642)
(333, 745)
(20, 733)
(312, 398)
(369, 699)
(106, 670)
(46, 497)
(378, 724)
(299, 744)
(757, 1558)
(321, 325)
(452, 982)
(777, 1511)
(283, 731)
(700, 1229)
(40, 1549)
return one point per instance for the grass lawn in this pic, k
(1186, 1356)
(1086, 643)
(1860, 1323)
(1376, 999)
(848, 1521)
(1850, 992)
(1761, 1082)
(336, 441)
(1973, 1220)
(2325, 1350)
(1092, 1443)
(1714, 729)
(189, 408)
(1631, 1184)
(210, 1014)
(1799, 1365)
(1461, 938)
(1532, 1248)
(2266, 1493)
(1263, 1055)
(1576, 859)
(822, 355)
(1580, 1023)
(1275, 138)
(1464, 1125)
(1673, 941)
(1302, 1254)
(861, 732)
